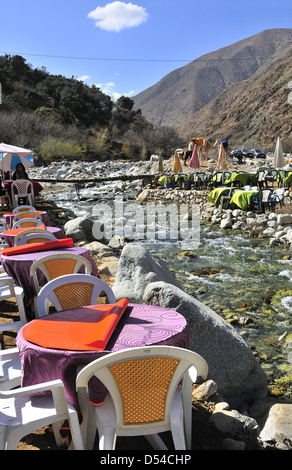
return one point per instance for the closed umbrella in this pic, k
(176, 163)
(221, 164)
(194, 161)
(160, 164)
(278, 160)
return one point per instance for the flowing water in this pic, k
(242, 279)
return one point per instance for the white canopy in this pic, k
(6, 148)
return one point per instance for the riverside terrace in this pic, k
(209, 443)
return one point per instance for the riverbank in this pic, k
(210, 438)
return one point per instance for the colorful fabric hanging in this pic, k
(194, 161)
(221, 164)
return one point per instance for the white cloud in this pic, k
(108, 89)
(118, 15)
(83, 78)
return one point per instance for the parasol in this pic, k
(11, 155)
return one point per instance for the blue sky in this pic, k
(125, 47)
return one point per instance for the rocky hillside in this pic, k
(183, 92)
(250, 113)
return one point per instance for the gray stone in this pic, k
(99, 249)
(250, 220)
(232, 422)
(79, 228)
(231, 362)
(137, 268)
(284, 219)
(289, 236)
(236, 212)
(286, 201)
(237, 225)
(117, 242)
(280, 234)
(278, 426)
(269, 232)
(226, 223)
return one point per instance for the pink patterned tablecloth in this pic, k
(140, 325)
(18, 267)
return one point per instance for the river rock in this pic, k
(226, 223)
(117, 242)
(269, 232)
(284, 219)
(278, 425)
(99, 249)
(231, 362)
(137, 268)
(79, 228)
(241, 429)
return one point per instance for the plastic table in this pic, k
(9, 234)
(18, 267)
(9, 217)
(140, 325)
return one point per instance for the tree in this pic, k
(125, 102)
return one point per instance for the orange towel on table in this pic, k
(90, 332)
(33, 247)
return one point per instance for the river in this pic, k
(243, 279)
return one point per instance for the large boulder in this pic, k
(79, 228)
(137, 268)
(278, 425)
(231, 362)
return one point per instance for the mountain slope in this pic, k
(184, 91)
(252, 112)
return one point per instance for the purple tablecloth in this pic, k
(18, 267)
(140, 325)
(9, 217)
(9, 236)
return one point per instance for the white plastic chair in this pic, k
(27, 223)
(26, 215)
(22, 187)
(149, 392)
(36, 238)
(277, 196)
(27, 231)
(72, 291)
(24, 208)
(9, 290)
(21, 414)
(10, 366)
(57, 265)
